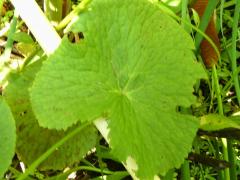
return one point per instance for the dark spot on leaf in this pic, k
(23, 113)
(75, 37)
(21, 127)
(178, 108)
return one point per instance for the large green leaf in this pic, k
(134, 67)
(34, 140)
(7, 137)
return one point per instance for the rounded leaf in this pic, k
(134, 66)
(34, 140)
(7, 137)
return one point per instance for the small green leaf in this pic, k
(195, 17)
(34, 140)
(26, 49)
(216, 122)
(22, 37)
(7, 137)
(134, 66)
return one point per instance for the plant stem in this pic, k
(231, 154)
(94, 169)
(221, 112)
(88, 168)
(218, 91)
(67, 6)
(204, 21)
(185, 172)
(1, 6)
(184, 12)
(233, 52)
(225, 157)
(221, 17)
(72, 14)
(232, 160)
(44, 156)
(5, 57)
(217, 150)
